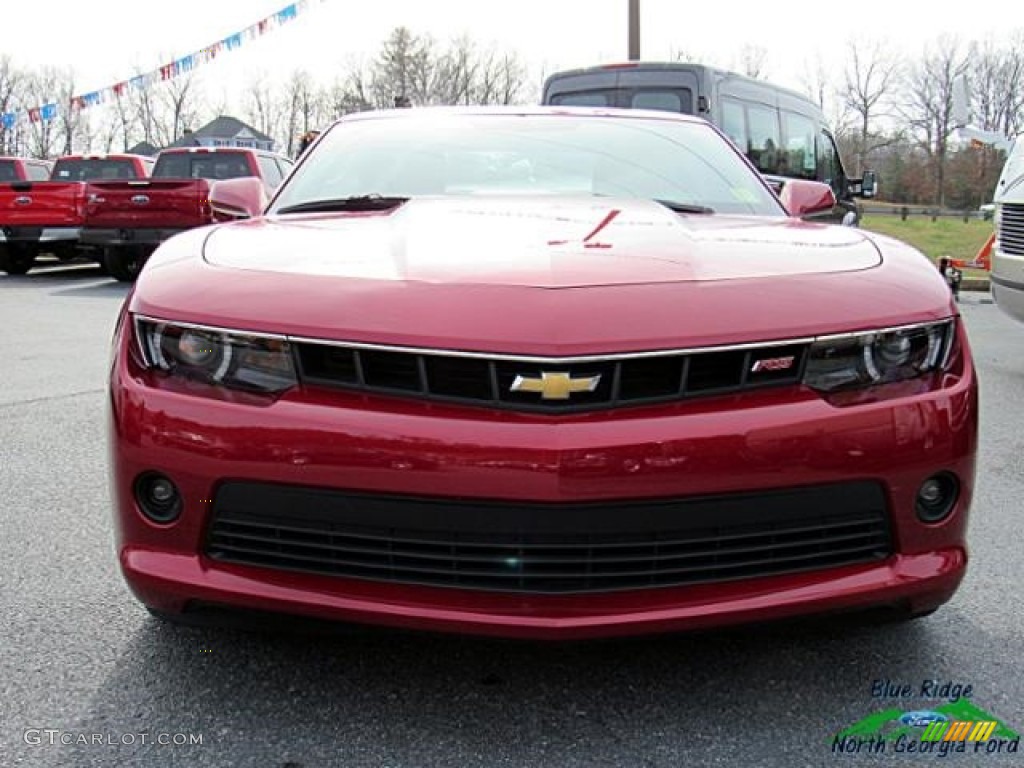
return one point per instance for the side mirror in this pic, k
(241, 198)
(775, 182)
(869, 184)
(802, 197)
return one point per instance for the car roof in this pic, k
(528, 111)
(219, 151)
(103, 156)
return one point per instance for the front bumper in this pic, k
(1007, 278)
(111, 237)
(750, 444)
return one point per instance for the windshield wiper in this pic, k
(372, 202)
(685, 207)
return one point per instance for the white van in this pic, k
(1007, 276)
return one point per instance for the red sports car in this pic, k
(545, 373)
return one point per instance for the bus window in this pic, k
(800, 155)
(666, 101)
(585, 99)
(734, 124)
(764, 139)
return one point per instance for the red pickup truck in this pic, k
(128, 220)
(44, 213)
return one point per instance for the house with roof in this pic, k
(143, 148)
(225, 131)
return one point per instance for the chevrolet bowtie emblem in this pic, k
(555, 386)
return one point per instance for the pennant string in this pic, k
(174, 68)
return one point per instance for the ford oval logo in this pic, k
(22, 200)
(922, 718)
(140, 199)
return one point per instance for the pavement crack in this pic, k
(51, 398)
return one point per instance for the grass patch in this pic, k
(949, 237)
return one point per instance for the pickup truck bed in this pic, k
(38, 216)
(129, 219)
(144, 212)
(46, 216)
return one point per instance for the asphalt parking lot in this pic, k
(82, 661)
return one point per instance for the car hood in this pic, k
(558, 243)
(554, 278)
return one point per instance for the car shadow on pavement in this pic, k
(380, 697)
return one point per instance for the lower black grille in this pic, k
(549, 548)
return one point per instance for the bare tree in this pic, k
(753, 60)
(402, 69)
(44, 134)
(455, 73)
(146, 108)
(123, 119)
(264, 107)
(816, 81)
(109, 135)
(305, 107)
(350, 92)
(11, 82)
(928, 104)
(72, 125)
(506, 76)
(870, 78)
(997, 84)
(181, 97)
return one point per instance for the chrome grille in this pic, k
(1010, 232)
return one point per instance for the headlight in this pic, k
(879, 357)
(254, 363)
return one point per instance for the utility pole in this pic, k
(634, 30)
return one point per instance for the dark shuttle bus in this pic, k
(782, 132)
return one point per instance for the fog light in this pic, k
(936, 497)
(157, 497)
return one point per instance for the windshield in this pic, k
(92, 169)
(685, 163)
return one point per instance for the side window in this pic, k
(830, 170)
(764, 138)
(734, 124)
(800, 155)
(271, 173)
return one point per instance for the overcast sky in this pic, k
(104, 39)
